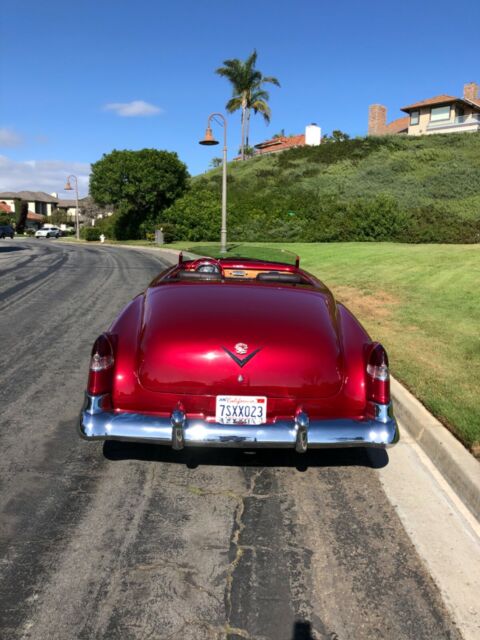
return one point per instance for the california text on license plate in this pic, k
(241, 410)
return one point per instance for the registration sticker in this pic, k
(241, 410)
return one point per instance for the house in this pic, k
(39, 202)
(312, 137)
(40, 205)
(69, 208)
(440, 114)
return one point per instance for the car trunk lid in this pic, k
(262, 339)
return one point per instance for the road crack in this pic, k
(236, 549)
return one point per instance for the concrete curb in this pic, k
(453, 461)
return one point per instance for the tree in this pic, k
(247, 92)
(215, 162)
(59, 217)
(340, 136)
(91, 210)
(140, 184)
(21, 213)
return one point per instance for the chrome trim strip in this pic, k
(97, 423)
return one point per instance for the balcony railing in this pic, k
(459, 121)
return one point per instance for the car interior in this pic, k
(210, 270)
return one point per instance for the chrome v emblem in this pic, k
(241, 361)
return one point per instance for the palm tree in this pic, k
(248, 93)
(258, 101)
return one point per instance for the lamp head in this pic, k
(68, 186)
(209, 139)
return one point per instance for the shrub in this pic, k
(6, 218)
(430, 224)
(90, 233)
(107, 226)
(195, 216)
(392, 188)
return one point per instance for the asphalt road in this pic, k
(131, 541)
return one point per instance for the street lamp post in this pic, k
(68, 187)
(210, 140)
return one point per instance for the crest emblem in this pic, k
(241, 348)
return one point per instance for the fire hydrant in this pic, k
(102, 237)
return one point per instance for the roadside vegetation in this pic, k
(394, 188)
(420, 301)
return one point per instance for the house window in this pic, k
(440, 113)
(41, 207)
(414, 117)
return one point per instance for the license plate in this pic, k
(241, 410)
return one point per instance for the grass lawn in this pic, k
(422, 302)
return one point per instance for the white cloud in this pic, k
(8, 138)
(42, 175)
(132, 109)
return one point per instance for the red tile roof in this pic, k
(441, 99)
(280, 143)
(398, 125)
(35, 216)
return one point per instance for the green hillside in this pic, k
(399, 188)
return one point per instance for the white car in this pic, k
(48, 232)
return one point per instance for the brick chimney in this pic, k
(470, 91)
(377, 119)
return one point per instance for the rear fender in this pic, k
(127, 329)
(354, 341)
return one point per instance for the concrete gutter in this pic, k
(454, 462)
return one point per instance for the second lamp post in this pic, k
(210, 140)
(68, 187)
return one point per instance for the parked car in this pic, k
(238, 353)
(6, 231)
(49, 231)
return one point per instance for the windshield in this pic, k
(259, 252)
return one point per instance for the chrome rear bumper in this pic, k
(178, 431)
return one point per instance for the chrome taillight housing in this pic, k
(378, 376)
(101, 366)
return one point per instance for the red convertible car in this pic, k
(238, 353)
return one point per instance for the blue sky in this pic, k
(69, 71)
